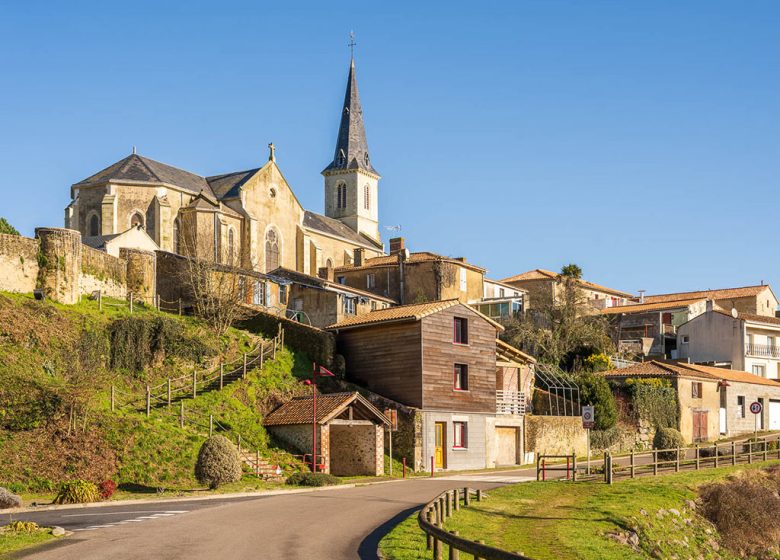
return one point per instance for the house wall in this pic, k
(299, 438)
(735, 424)
(440, 354)
(473, 456)
(101, 271)
(709, 402)
(712, 337)
(321, 306)
(757, 356)
(385, 358)
(491, 439)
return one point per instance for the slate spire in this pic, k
(351, 145)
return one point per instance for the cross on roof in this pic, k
(352, 44)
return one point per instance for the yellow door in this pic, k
(440, 436)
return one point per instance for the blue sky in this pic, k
(639, 140)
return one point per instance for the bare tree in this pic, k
(214, 279)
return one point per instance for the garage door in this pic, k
(774, 415)
(506, 442)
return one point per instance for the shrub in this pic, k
(594, 390)
(9, 500)
(745, 510)
(22, 527)
(756, 445)
(5, 227)
(107, 489)
(313, 479)
(668, 438)
(598, 362)
(218, 462)
(604, 439)
(77, 492)
(319, 346)
(710, 451)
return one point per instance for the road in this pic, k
(331, 524)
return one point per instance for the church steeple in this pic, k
(351, 144)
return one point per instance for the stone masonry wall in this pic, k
(356, 450)
(18, 263)
(101, 271)
(555, 435)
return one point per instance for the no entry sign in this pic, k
(756, 407)
(588, 417)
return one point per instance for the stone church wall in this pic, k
(59, 264)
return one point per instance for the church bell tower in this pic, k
(351, 182)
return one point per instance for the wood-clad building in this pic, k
(442, 358)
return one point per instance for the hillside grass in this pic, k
(552, 520)
(57, 364)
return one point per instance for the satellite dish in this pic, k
(734, 312)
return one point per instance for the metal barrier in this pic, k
(431, 520)
(542, 466)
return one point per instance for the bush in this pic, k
(107, 489)
(745, 510)
(313, 479)
(218, 462)
(756, 445)
(77, 492)
(604, 439)
(22, 527)
(710, 451)
(7, 228)
(598, 362)
(9, 500)
(594, 390)
(668, 438)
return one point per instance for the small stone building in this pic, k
(350, 432)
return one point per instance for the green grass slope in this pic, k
(57, 364)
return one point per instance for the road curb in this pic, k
(174, 499)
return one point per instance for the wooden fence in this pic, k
(431, 520)
(662, 461)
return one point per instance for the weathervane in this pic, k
(352, 44)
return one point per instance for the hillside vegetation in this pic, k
(58, 363)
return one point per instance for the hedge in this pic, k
(318, 345)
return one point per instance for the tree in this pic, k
(560, 329)
(217, 290)
(5, 227)
(594, 390)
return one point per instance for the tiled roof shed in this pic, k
(329, 406)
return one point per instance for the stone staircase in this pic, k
(261, 467)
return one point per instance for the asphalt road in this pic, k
(331, 524)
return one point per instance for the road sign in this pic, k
(756, 407)
(588, 417)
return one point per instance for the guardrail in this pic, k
(663, 461)
(510, 402)
(431, 520)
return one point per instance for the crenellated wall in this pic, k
(57, 263)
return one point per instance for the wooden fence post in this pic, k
(479, 557)
(273, 356)
(211, 425)
(181, 414)
(448, 503)
(257, 463)
(131, 302)
(456, 499)
(750, 451)
(454, 552)
(677, 461)
(100, 300)
(697, 456)
(282, 337)
(716, 455)
(262, 353)
(148, 401)
(113, 398)
(221, 374)
(479, 494)
(170, 393)
(733, 452)
(655, 462)
(765, 450)
(180, 306)
(466, 497)
(158, 302)
(633, 468)
(428, 536)
(244, 363)
(239, 444)
(194, 383)
(574, 467)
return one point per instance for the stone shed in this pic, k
(350, 432)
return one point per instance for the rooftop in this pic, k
(329, 405)
(316, 281)
(642, 307)
(679, 369)
(419, 257)
(542, 274)
(724, 293)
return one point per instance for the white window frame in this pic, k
(460, 435)
(463, 280)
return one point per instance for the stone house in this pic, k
(742, 341)
(649, 325)
(545, 285)
(501, 301)
(413, 277)
(135, 237)
(713, 401)
(320, 302)
(252, 218)
(443, 360)
(350, 432)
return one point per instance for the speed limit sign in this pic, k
(756, 407)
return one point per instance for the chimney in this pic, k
(709, 305)
(397, 245)
(358, 257)
(641, 296)
(461, 259)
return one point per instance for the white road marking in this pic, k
(140, 519)
(119, 513)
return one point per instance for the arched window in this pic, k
(231, 247)
(176, 242)
(137, 220)
(271, 250)
(329, 263)
(366, 197)
(94, 225)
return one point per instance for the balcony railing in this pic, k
(768, 350)
(510, 402)
(669, 329)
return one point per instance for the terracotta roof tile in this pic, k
(745, 291)
(541, 274)
(299, 409)
(662, 369)
(642, 307)
(422, 256)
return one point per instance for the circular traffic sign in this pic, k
(756, 407)
(587, 415)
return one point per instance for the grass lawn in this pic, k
(13, 541)
(553, 520)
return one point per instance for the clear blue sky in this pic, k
(637, 139)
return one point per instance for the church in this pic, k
(250, 219)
